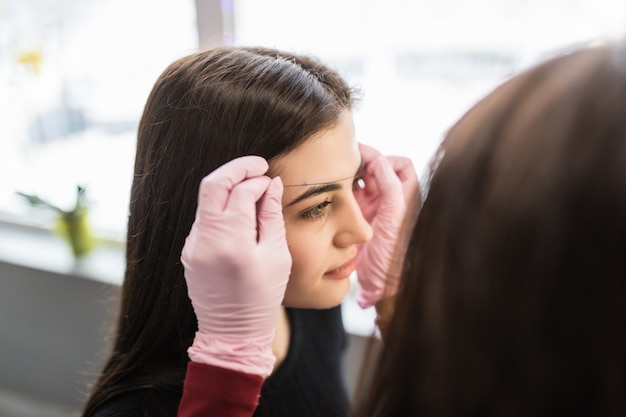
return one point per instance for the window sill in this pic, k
(39, 249)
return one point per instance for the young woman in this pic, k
(513, 293)
(247, 115)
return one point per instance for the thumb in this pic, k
(270, 212)
(405, 171)
(386, 179)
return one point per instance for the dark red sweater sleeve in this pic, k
(213, 391)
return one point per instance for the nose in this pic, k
(352, 228)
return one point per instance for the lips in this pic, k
(343, 271)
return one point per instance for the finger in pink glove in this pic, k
(390, 185)
(237, 265)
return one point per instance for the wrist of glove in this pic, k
(252, 356)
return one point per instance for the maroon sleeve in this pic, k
(213, 391)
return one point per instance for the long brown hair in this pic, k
(204, 110)
(513, 299)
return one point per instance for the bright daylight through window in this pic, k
(74, 75)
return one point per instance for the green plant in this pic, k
(73, 223)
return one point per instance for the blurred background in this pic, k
(74, 76)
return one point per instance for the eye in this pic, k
(316, 212)
(358, 184)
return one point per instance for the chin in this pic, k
(319, 300)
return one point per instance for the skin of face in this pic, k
(323, 222)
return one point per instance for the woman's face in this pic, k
(323, 221)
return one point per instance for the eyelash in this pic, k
(317, 212)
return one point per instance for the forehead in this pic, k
(326, 157)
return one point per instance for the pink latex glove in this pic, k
(237, 265)
(390, 184)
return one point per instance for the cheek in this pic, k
(307, 254)
(304, 252)
(310, 252)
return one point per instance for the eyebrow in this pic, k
(323, 187)
(320, 189)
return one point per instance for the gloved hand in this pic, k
(237, 265)
(390, 184)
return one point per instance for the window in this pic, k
(74, 76)
(421, 64)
